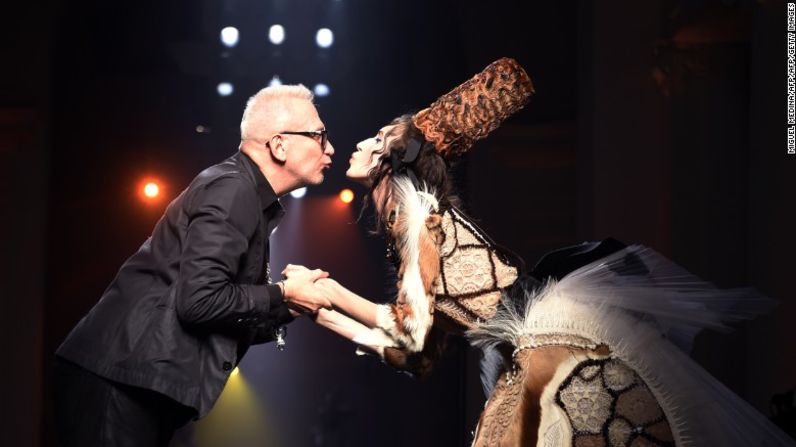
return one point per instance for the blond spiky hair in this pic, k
(262, 105)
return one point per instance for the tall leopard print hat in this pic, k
(469, 112)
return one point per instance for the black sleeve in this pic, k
(278, 316)
(223, 216)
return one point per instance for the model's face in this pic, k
(369, 153)
(305, 159)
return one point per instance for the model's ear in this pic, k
(277, 148)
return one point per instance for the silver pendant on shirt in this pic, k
(280, 332)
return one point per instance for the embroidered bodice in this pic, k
(472, 271)
(445, 264)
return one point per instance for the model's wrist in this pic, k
(331, 286)
(338, 291)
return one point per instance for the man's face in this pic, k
(305, 159)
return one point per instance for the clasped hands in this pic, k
(334, 307)
(302, 290)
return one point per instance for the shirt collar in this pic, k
(265, 192)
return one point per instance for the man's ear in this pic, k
(277, 148)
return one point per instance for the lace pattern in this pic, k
(608, 404)
(472, 270)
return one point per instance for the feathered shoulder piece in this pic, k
(415, 231)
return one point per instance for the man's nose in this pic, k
(329, 148)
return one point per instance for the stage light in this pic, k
(276, 34)
(275, 81)
(238, 418)
(321, 90)
(346, 196)
(229, 36)
(225, 89)
(324, 38)
(151, 190)
(298, 193)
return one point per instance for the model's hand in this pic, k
(326, 283)
(300, 291)
(329, 288)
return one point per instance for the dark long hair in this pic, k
(429, 168)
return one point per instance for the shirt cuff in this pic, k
(264, 299)
(279, 313)
(275, 296)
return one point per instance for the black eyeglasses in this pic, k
(314, 134)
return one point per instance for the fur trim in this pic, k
(384, 318)
(414, 206)
(376, 339)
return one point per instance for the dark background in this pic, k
(659, 122)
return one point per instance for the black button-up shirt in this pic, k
(195, 296)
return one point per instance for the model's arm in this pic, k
(369, 336)
(349, 302)
(341, 298)
(408, 320)
(376, 340)
(357, 332)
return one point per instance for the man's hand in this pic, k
(297, 270)
(300, 291)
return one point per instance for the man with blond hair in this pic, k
(159, 345)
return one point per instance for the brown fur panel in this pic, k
(401, 312)
(429, 265)
(429, 254)
(398, 230)
(416, 230)
(419, 364)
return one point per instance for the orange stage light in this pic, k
(151, 190)
(346, 195)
